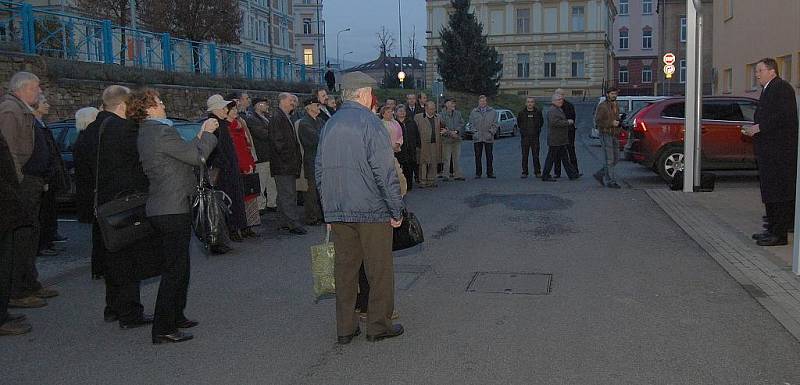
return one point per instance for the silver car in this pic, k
(506, 121)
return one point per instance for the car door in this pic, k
(721, 131)
(748, 108)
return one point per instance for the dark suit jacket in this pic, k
(259, 130)
(776, 143)
(569, 112)
(284, 148)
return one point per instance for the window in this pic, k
(647, 74)
(727, 7)
(523, 20)
(308, 56)
(496, 22)
(748, 110)
(683, 29)
(647, 39)
(307, 26)
(727, 81)
(647, 7)
(677, 110)
(623, 74)
(750, 72)
(623, 7)
(500, 60)
(550, 65)
(577, 19)
(523, 66)
(550, 20)
(682, 71)
(785, 67)
(723, 110)
(623, 39)
(577, 65)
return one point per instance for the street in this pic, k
(518, 282)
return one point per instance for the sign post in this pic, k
(694, 96)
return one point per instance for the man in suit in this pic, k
(412, 106)
(775, 137)
(258, 122)
(429, 126)
(285, 161)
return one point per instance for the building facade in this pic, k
(383, 65)
(672, 15)
(765, 32)
(636, 40)
(310, 48)
(543, 44)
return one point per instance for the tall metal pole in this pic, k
(400, 18)
(133, 13)
(338, 59)
(694, 96)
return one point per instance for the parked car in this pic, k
(658, 134)
(505, 119)
(627, 106)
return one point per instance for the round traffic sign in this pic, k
(669, 69)
(669, 58)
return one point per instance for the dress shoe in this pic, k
(773, 240)
(187, 323)
(298, 230)
(460, 178)
(172, 338)
(548, 179)
(48, 253)
(491, 176)
(27, 302)
(524, 176)
(397, 330)
(46, 293)
(15, 317)
(249, 233)
(144, 321)
(759, 236)
(477, 177)
(14, 328)
(344, 340)
(272, 209)
(110, 316)
(60, 238)
(236, 237)
(614, 185)
(220, 249)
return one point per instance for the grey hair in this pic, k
(353, 95)
(400, 107)
(21, 79)
(84, 117)
(283, 96)
(557, 97)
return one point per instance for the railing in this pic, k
(71, 37)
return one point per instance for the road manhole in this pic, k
(511, 283)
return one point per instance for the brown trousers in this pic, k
(372, 244)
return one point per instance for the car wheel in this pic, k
(670, 162)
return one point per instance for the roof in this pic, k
(384, 62)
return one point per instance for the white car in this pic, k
(506, 121)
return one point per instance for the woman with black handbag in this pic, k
(169, 163)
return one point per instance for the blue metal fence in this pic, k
(55, 34)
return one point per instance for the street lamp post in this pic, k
(345, 55)
(338, 58)
(401, 75)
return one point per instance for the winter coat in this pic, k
(530, 123)
(229, 178)
(120, 170)
(354, 169)
(428, 151)
(308, 130)
(259, 130)
(16, 125)
(453, 121)
(411, 142)
(605, 115)
(569, 112)
(84, 153)
(57, 175)
(558, 126)
(484, 124)
(776, 143)
(284, 148)
(12, 212)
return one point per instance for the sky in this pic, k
(365, 18)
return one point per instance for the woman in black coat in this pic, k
(407, 157)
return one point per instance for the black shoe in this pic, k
(614, 185)
(272, 209)
(110, 316)
(524, 176)
(220, 249)
(599, 177)
(344, 340)
(548, 179)
(187, 323)
(397, 329)
(249, 233)
(557, 176)
(172, 338)
(144, 321)
(60, 238)
(759, 236)
(298, 230)
(477, 177)
(773, 240)
(491, 176)
(236, 237)
(15, 317)
(576, 177)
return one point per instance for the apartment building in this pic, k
(310, 48)
(672, 14)
(636, 39)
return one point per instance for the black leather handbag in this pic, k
(251, 184)
(409, 234)
(122, 221)
(209, 210)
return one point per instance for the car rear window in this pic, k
(675, 110)
(727, 110)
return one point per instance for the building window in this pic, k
(623, 74)
(727, 7)
(500, 61)
(523, 66)
(647, 39)
(308, 56)
(647, 74)
(550, 65)
(727, 81)
(550, 20)
(623, 39)
(785, 67)
(682, 71)
(647, 7)
(307, 26)
(623, 7)
(496, 22)
(577, 65)
(683, 29)
(523, 20)
(577, 19)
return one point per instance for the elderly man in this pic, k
(451, 140)
(285, 162)
(360, 194)
(28, 148)
(308, 129)
(258, 122)
(483, 120)
(606, 118)
(558, 140)
(429, 126)
(412, 106)
(322, 98)
(775, 139)
(569, 112)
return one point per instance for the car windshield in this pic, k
(64, 140)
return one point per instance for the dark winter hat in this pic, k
(310, 101)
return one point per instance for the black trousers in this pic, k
(26, 242)
(479, 149)
(122, 285)
(410, 171)
(530, 145)
(558, 155)
(780, 217)
(6, 271)
(48, 219)
(571, 157)
(175, 233)
(98, 257)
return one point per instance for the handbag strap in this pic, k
(327, 235)
(97, 162)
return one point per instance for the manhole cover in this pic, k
(511, 283)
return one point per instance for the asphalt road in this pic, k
(518, 282)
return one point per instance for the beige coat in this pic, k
(16, 125)
(429, 152)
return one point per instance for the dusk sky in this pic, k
(365, 18)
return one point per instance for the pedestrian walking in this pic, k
(308, 129)
(429, 126)
(451, 140)
(606, 119)
(775, 138)
(169, 163)
(258, 122)
(286, 161)
(558, 140)
(530, 122)
(360, 195)
(407, 156)
(569, 112)
(28, 148)
(483, 120)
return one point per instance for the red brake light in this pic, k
(638, 122)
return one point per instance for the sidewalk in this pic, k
(722, 223)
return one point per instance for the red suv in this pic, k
(658, 131)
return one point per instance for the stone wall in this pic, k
(68, 95)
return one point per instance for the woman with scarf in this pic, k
(243, 144)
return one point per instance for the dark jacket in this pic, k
(558, 134)
(169, 163)
(411, 142)
(284, 149)
(569, 112)
(308, 131)
(85, 155)
(417, 110)
(57, 175)
(355, 169)
(12, 214)
(16, 125)
(229, 178)
(120, 170)
(258, 126)
(776, 143)
(530, 123)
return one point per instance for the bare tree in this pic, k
(385, 41)
(412, 45)
(118, 11)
